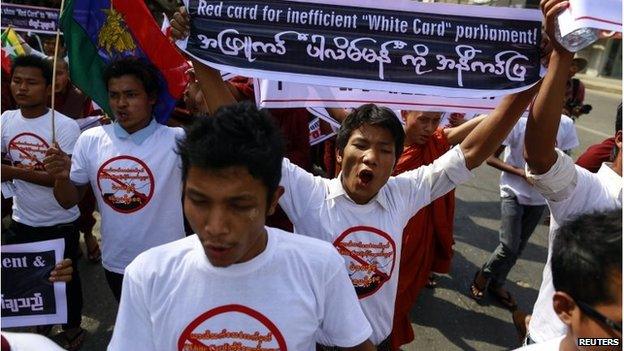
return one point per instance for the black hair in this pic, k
(586, 255)
(143, 70)
(618, 118)
(236, 135)
(373, 115)
(34, 61)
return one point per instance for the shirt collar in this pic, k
(613, 180)
(336, 190)
(137, 137)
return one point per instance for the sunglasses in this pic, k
(592, 313)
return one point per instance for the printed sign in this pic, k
(278, 94)
(231, 327)
(29, 18)
(394, 46)
(126, 183)
(28, 297)
(370, 256)
(27, 150)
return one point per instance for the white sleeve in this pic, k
(427, 183)
(300, 190)
(79, 173)
(68, 135)
(559, 182)
(570, 139)
(344, 323)
(4, 133)
(133, 328)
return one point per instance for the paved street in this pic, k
(445, 318)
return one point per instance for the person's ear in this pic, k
(339, 153)
(565, 307)
(275, 200)
(618, 139)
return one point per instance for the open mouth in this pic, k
(365, 176)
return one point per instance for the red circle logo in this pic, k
(231, 327)
(27, 150)
(369, 255)
(126, 183)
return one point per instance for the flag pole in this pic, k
(54, 59)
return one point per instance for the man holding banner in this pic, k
(364, 211)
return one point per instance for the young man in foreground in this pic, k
(586, 265)
(237, 284)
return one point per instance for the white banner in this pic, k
(276, 94)
(599, 14)
(28, 297)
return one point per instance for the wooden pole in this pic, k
(54, 60)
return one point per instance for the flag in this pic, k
(97, 32)
(11, 48)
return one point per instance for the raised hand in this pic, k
(180, 24)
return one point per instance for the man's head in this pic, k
(232, 165)
(419, 126)
(49, 42)
(368, 144)
(62, 75)
(31, 81)
(132, 91)
(587, 275)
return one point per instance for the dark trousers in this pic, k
(115, 281)
(517, 224)
(19, 233)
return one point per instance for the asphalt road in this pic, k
(444, 318)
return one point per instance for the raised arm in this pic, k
(496, 162)
(543, 121)
(212, 85)
(488, 135)
(456, 135)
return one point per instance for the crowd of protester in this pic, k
(205, 227)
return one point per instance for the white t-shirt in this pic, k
(550, 345)
(173, 298)
(570, 191)
(137, 181)
(511, 184)
(368, 236)
(25, 141)
(30, 342)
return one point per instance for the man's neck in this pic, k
(34, 111)
(617, 163)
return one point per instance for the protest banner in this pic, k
(603, 14)
(278, 94)
(394, 46)
(28, 297)
(26, 18)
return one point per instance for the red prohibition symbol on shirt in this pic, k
(248, 329)
(369, 255)
(126, 183)
(27, 150)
